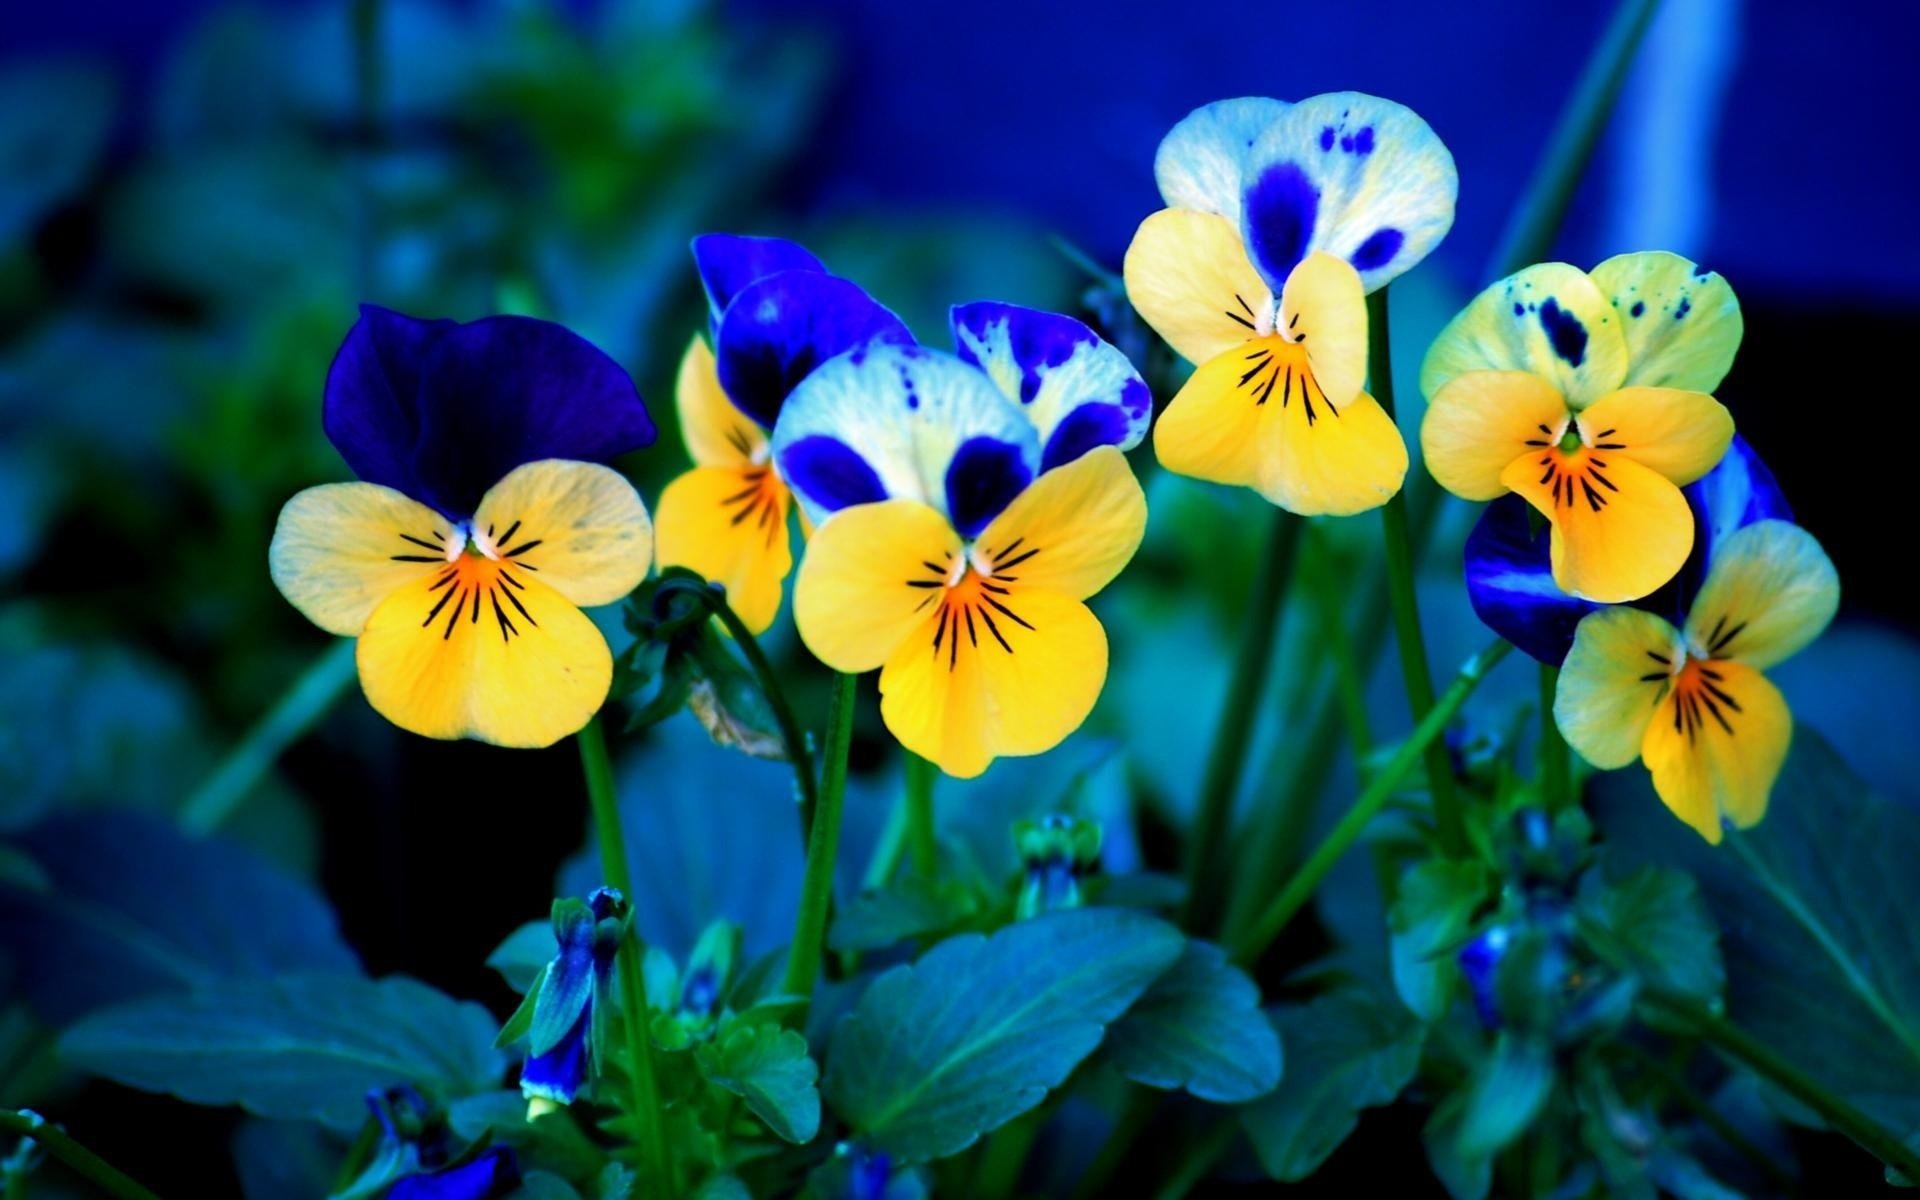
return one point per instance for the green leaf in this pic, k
(295, 1047)
(524, 955)
(1506, 1094)
(769, 1068)
(1199, 1027)
(911, 907)
(1822, 961)
(520, 1024)
(940, 1051)
(1656, 919)
(1347, 1050)
(543, 1185)
(1430, 920)
(722, 1187)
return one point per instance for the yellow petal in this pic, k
(1769, 591)
(730, 525)
(1188, 275)
(717, 434)
(1619, 530)
(1479, 422)
(1334, 460)
(484, 650)
(1615, 675)
(1216, 428)
(872, 575)
(1549, 319)
(1072, 530)
(341, 548)
(991, 675)
(580, 526)
(1716, 745)
(1324, 308)
(1682, 325)
(1682, 435)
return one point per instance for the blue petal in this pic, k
(778, 329)
(1735, 494)
(1079, 391)
(1199, 162)
(1510, 582)
(728, 262)
(558, 1073)
(442, 410)
(983, 478)
(889, 422)
(489, 1175)
(1353, 175)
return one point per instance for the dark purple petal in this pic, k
(1510, 581)
(1735, 494)
(1081, 430)
(441, 410)
(1281, 208)
(830, 473)
(489, 1175)
(728, 262)
(983, 478)
(779, 328)
(560, 1073)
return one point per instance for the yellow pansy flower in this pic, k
(1280, 219)
(1588, 394)
(1693, 703)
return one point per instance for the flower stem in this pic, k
(823, 846)
(637, 1017)
(84, 1162)
(1347, 684)
(297, 710)
(1414, 671)
(1556, 769)
(1206, 849)
(923, 847)
(1340, 839)
(1735, 1043)
(799, 749)
(1536, 221)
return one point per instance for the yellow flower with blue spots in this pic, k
(775, 315)
(966, 508)
(1279, 220)
(484, 520)
(1692, 703)
(1590, 396)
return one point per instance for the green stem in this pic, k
(1300, 888)
(823, 845)
(1004, 1156)
(1700, 1107)
(1199, 1159)
(359, 1153)
(1347, 685)
(1556, 768)
(636, 1013)
(1121, 1141)
(297, 710)
(83, 1162)
(799, 751)
(1736, 1044)
(1529, 235)
(1448, 821)
(1207, 850)
(922, 845)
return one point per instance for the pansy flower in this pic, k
(483, 521)
(1279, 220)
(1509, 568)
(966, 510)
(1691, 701)
(564, 1014)
(775, 314)
(1587, 394)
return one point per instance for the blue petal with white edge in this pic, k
(779, 328)
(903, 422)
(1200, 161)
(1359, 177)
(1078, 391)
(728, 262)
(1510, 577)
(492, 1174)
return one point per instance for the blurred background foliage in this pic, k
(194, 195)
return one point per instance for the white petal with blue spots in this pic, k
(1359, 177)
(895, 422)
(1078, 391)
(1199, 163)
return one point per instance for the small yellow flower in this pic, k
(1588, 394)
(1280, 219)
(1693, 704)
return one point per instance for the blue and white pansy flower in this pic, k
(1279, 220)
(967, 507)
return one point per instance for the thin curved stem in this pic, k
(636, 1014)
(799, 749)
(84, 1162)
(1556, 768)
(823, 847)
(1300, 888)
(923, 846)
(1207, 849)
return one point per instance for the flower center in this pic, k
(1277, 367)
(761, 499)
(478, 574)
(973, 599)
(1577, 475)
